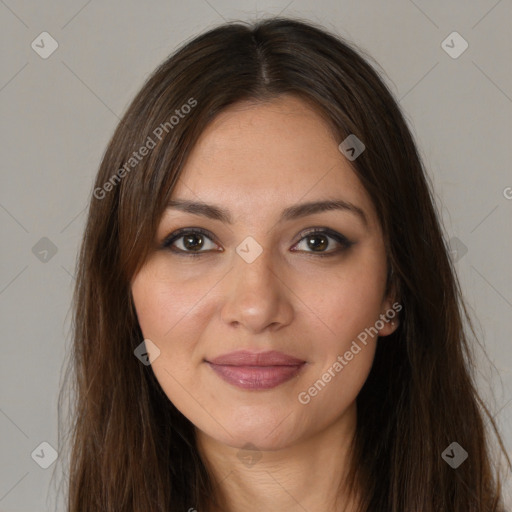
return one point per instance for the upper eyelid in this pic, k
(179, 233)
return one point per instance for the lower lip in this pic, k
(256, 377)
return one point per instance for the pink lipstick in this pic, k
(252, 370)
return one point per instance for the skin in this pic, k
(255, 160)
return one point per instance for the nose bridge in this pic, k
(253, 262)
(255, 280)
(256, 297)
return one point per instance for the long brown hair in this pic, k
(130, 448)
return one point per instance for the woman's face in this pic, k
(260, 323)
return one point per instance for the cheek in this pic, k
(343, 355)
(166, 304)
(173, 315)
(354, 310)
(335, 387)
(346, 301)
(349, 305)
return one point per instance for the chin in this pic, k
(264, 431)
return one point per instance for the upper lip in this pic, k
(246, 358)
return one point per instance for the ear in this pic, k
(390, 310)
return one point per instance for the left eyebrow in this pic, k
(289, 213)
(304, 209)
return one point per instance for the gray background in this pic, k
(58, 114)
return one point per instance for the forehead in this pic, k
(257, 158)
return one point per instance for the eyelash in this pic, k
(180, 233)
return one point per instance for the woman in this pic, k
(266, 317)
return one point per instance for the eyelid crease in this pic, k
(324, 231)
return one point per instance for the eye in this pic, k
(197, 241)
(190, 242)
(322, 242)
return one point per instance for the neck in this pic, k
(306, 475)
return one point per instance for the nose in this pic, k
(256, 296)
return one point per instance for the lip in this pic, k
(256, 370)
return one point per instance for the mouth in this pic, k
(256, 371)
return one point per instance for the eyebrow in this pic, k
(292, 212)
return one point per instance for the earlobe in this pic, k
(391, 307)
(390, 316)
(390, 322)
(392, 326)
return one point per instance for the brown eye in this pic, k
(317, 242)
(190, 241)
(322, 242)
(193, 242)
